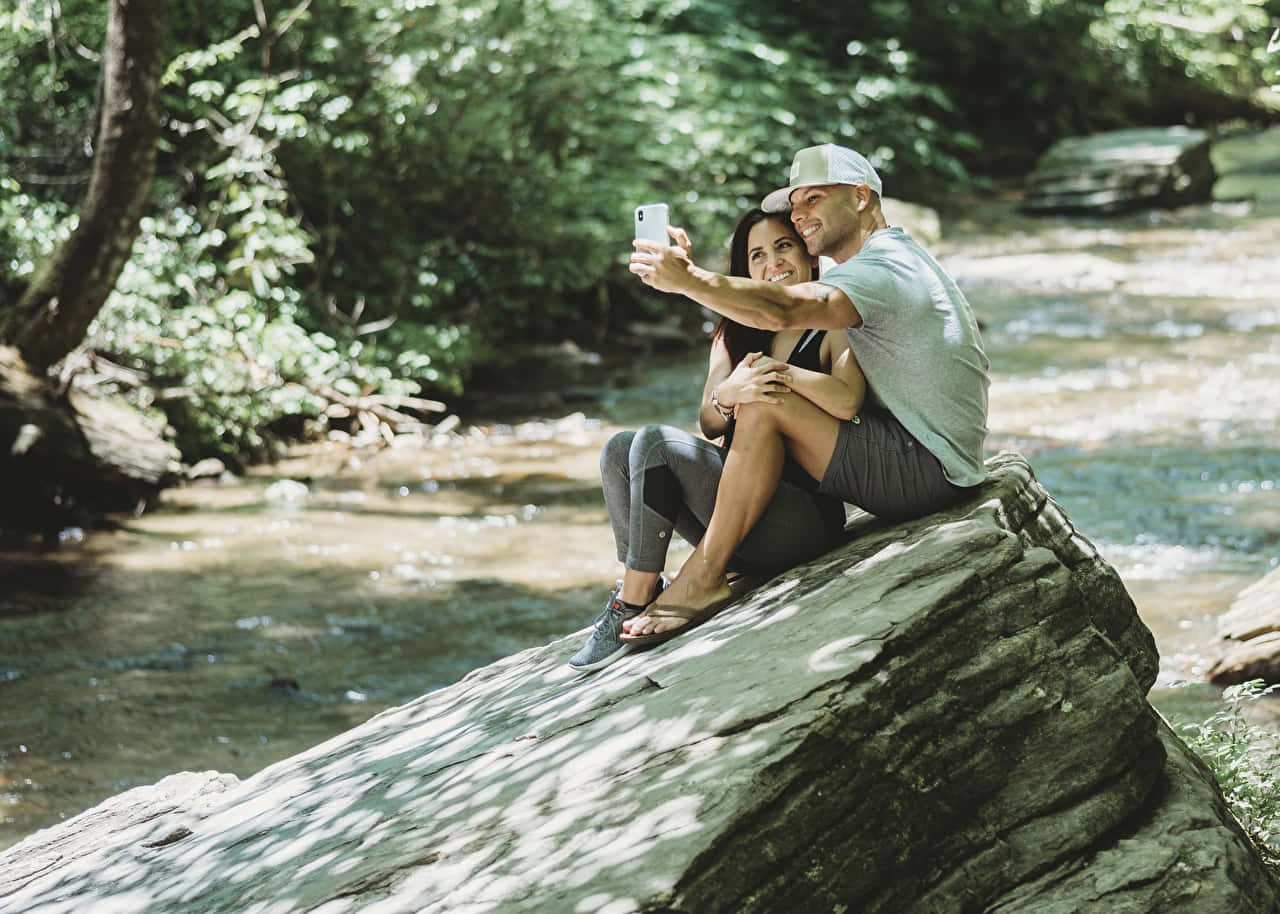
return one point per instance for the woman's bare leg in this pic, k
(763, 435)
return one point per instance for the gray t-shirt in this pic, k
(919, 348)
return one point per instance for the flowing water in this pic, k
(1135, 362)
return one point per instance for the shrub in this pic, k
(1245, 758)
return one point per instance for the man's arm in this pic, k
(756, 303)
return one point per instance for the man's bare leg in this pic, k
(752, 470)
(762, 436)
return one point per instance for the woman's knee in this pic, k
(616, 452)
(649, 435)
(651, 445)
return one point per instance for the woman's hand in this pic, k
(758, 378)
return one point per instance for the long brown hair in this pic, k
(740, 339)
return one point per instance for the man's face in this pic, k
(822, 216)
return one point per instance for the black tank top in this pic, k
(808, 352)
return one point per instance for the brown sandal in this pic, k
(692, 618)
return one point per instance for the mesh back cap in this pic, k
(819, 165)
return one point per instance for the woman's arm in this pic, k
(756, 379)
(839, 393)
(712, 423)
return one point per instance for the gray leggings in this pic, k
(662, 478)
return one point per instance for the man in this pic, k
(915, 447)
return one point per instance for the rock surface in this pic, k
(947, 715)
(1251, 630)
(1122, 170)
(921, 221)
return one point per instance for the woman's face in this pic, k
(775, 254)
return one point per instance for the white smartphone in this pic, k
(651, 223)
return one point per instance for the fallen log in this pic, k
(70, 459)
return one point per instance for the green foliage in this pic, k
(383, 196)
(1245, 758)
(49, 73)
(29, 230)
(462, 169)
(46, 112)
(215, 357)
(491, 152)
(1218, 45)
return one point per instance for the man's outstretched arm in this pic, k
(755, 303)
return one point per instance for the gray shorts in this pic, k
(879, 467)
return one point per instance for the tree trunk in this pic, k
(52, 316)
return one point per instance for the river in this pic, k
(1134, 362)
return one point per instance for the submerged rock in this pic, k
(1122, 170)
(1251, 630)
(946, 715)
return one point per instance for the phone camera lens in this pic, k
(641, 216)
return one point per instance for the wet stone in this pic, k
(1250, 632)
(1122, 170)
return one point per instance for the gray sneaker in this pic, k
(604, 646)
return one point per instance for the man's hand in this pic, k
(665, 269)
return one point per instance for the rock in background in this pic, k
(1122, 170)
(946, 715)
(1251, 630)
(922, 222)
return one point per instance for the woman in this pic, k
(661, 478)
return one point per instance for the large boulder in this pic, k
(1250, 630)
(942, 716)
(1122, 170)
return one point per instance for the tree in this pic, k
(51, 317)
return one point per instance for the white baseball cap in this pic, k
(818, 165)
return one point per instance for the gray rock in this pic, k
(1122, 170)
(209, 468)
(145, 817)
(922, 222)
(947, 715)
(1251, 630)
(286, 492)
(1199, 864)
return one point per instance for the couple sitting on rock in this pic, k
(887, 414)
